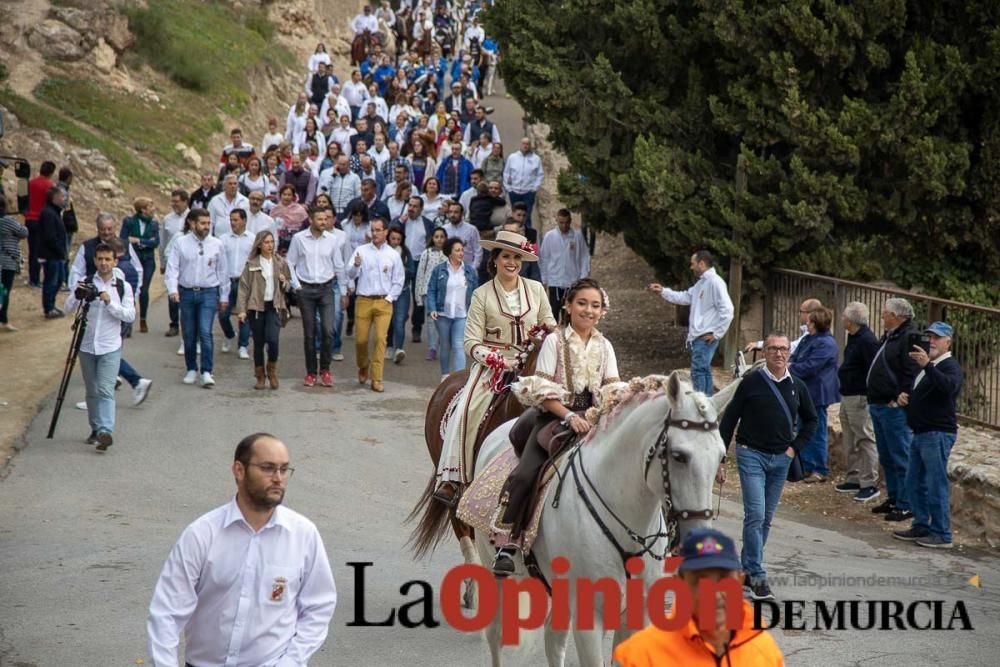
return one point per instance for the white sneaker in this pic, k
(207, 380)
(337, 356)
(82, 405)
(180, 350)
(243, 353)
(190, 377)
(399, 356)
(225, 345)
(389, 352)
(141, 391)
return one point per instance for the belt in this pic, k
(305, 284)
(372, 296)
(199, 289)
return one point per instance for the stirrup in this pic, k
(503, 564)
(443, 496)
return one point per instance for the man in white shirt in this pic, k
(379, 152)
(355, 92)
(461, 229)
(341, 184)
(417, 230)
(173, 225)
(379, 275)
(341, 293)
(198, 278)
(522, 177)
(249, 584)
(223, 204)
(339, 104)
(563, 259)
(316, 259)
(474, 31)
(237, 244)
(258, 221)
(101, 347)
(711, 315)
(364, 21)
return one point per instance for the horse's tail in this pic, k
(433, 524)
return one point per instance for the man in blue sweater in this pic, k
(931, 414)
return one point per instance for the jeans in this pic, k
(400, 310)
(556, 296)
(7, 277)
(315, 301)
(128, 373)
(225, 316)
(451, 331)
(53, 276)
(528, 198)
(265, 328)
(762, 477)
(148, 269)
(99, 375)
(338, 321)
(892, 439)
(701, 364)
(814, 452)
(197, 314)
(927, 482)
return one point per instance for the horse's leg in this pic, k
(464, 534)
(590, 644)
(555, 644)
(492, 631)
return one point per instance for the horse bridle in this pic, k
(672, 515)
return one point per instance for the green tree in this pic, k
(869, 129)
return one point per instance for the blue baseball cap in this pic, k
(706, 548)
(941, 329)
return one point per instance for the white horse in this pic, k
(656, 453)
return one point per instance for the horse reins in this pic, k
(672, 516)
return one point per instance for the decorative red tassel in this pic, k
(498, 381)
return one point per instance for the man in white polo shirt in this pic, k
(248, 584)
(238, 244)
(222, 204)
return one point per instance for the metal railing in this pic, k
(977, 328)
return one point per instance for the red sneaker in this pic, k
(326, 379)
(310, 380)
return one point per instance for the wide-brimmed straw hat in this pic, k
(513, 242)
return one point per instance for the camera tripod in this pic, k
(79, 326)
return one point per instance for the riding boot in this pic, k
(258, 373)
(503, 564)
(519, 490)
(272, 374)
(448, 493)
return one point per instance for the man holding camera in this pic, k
(111, 303)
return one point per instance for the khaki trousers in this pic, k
(858, 441)
(370, 310)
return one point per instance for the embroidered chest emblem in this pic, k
(385, 269)
(278, 589)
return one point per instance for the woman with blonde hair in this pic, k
(261, 302)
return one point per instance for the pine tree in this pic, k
(869, 129)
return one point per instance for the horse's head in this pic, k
(682, 463)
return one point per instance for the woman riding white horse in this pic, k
(573, 366)
(502, 313)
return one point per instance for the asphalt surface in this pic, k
(83, 535)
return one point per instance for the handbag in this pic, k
(795, 470)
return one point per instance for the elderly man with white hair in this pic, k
(889, 380)
(858, 438)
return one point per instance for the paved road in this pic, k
(83, 535)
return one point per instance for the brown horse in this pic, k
(362, 46)
(435, 516)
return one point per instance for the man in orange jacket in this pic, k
(707, 554)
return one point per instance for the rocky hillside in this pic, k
(136, 96)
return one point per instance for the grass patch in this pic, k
(141, 125)
(206, 47)
(3, 72)
(129, 168)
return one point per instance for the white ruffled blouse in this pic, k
(567, 366)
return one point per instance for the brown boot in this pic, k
(142, 327)
(272, 374)
(258, 372)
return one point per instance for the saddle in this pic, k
(522, 428)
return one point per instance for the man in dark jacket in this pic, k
(931, 413)
(858, 439)
(369, 200)
(766, 405)
(52, 249)
(201, 196)
(889, 377)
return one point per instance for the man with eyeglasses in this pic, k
(249, 583)
(776, 419)
(197, 278)
(711, 315)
